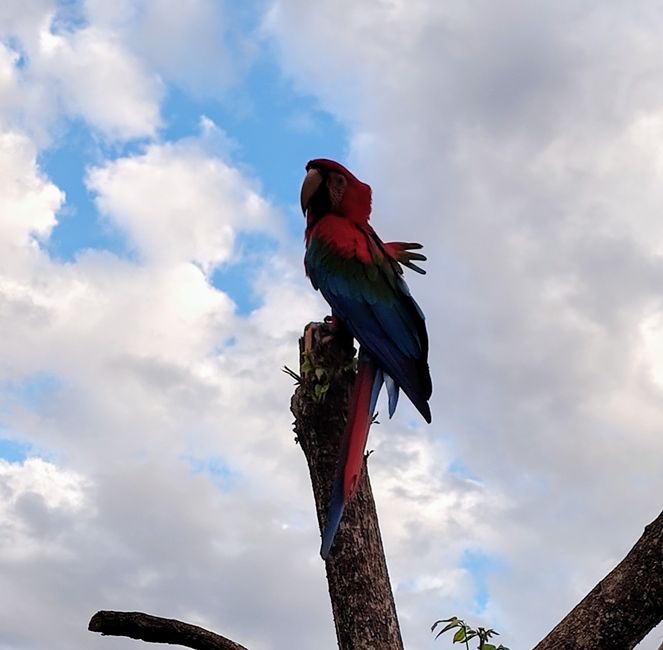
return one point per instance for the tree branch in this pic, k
(623, 607)
(357, 576)
(155, 629)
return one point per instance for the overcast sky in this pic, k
(152, 287)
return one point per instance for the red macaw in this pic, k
(361, 278)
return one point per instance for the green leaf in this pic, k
(319, 392)
(453, 622)
(489, 646)
(459, 637)
(449, 626)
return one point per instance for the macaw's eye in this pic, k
(336, 179)
(336, 183)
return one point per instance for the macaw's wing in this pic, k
(372, 299)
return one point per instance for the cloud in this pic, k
(156, 405)
(54, 69)
(8, 81)
(147, 393)
(178, 202)
(522, 148)
(28, 201)
(197, 46)
(100, 81)
(109, 543)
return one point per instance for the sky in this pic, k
(152, 288)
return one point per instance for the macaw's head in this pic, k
(329, 188)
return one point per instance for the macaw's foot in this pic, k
(322, 332)
(317, 332)
(309, 333)
(332, 327)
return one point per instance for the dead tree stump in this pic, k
(359, 587)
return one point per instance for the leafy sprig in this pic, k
(464, 633)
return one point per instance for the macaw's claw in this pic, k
(322, 332)
(309, 332)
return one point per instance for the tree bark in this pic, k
(623, 607)
(155, 629)
(358, 580)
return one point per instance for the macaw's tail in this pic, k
(365, 393)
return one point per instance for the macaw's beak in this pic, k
(309, 187)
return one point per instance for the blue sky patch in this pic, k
(279, 130)
(79, 226)
(458, 468)
(479, 565)
(237, 279)
(33, 390)
(13, 451)
(30, 393)
(215, 468)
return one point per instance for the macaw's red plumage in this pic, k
(362, 280)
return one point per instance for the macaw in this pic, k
(360, 277)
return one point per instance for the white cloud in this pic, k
(158, 406)
(145, 387)
(108, 63)
(28, 201)
(53, 71)
(22, 20)
(148, 536)
(521, 146)
(102, 82)
(34, 495)
(8, 81)
(196, 45)
(178, 203)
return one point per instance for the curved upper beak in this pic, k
(309, 186)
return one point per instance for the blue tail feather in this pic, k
(334, 516)
(375, 391)
(392, 392)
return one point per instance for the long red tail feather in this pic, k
(351, 462)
